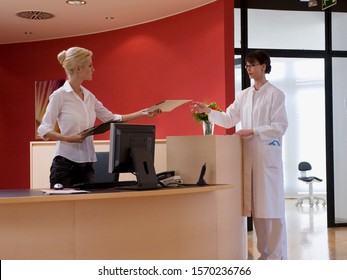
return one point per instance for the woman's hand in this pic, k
(153, 113)
(78, 138)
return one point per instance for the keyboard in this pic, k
(105, 185)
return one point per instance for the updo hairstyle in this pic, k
(73, 57)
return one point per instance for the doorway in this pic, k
(301, 35)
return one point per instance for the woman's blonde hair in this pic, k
(73, 57)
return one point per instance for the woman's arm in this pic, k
(140, 114)
(78, 138)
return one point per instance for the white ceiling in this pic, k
(71, 21)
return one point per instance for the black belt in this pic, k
(79, 164)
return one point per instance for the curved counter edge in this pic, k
(34, 196)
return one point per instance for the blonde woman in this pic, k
(76, 109)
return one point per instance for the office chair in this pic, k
(303, 167)
(101, 169)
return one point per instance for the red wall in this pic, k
(181, 57)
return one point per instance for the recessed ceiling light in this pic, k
(109, 18)
(28, 33)
(76, 2)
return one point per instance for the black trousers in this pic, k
(68, 173)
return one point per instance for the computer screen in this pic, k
(132, 151)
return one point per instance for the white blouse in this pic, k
(74, 115)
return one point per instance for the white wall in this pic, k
(41, 154)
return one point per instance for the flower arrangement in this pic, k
(203, 117)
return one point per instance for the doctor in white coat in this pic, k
(261, 111)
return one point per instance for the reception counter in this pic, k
(171, 223)
(222, 155)
(177, 223)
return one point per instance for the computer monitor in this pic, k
(132, 151)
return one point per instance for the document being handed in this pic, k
(167, 105)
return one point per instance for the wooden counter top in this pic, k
(32, 196)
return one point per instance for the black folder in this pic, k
(99, 129)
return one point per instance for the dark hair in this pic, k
(261, 57)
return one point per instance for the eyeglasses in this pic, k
(251, 65)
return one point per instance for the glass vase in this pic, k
(208, 128)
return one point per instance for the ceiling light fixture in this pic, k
(76, 2)
(312, 3)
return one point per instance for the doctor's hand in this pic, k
(198, 107)
(245, 132)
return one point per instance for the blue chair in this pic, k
(303, 168)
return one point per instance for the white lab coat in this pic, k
(264, 112)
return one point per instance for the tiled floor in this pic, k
(308, 237)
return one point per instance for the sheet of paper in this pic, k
(167, 105)
(67, 191)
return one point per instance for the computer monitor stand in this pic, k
(144, 168)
